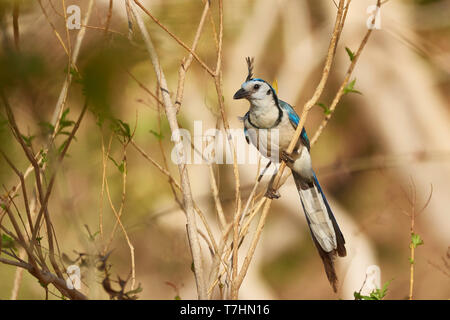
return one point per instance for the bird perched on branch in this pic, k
(269, 125)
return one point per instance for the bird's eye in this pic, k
(256, 86)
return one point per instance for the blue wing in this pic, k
(295, 119)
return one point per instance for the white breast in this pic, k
(264, 117)
(270, 142)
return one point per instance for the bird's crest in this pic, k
(250, 65)
(273, 87)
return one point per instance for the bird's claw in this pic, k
(287, 157)
(271, 193)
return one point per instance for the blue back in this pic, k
(295, 119)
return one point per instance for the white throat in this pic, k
(263, 113)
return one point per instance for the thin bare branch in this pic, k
(341, 90)
(171, 114)
(185, 64)
(180, 42)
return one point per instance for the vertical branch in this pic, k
(18, 276)
(105, 155)
(412, 248)
(118, 215)
(16, 24)
(187, 62)
(53, 27)
(73, 57)
(171, 114)
(108, 17)
(238, 203)
(66, 27)
(215, 192)
(415, 239)
(161, 147)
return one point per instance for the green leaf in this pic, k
(62, 146)
(377, 294)
(92, 236)
(137, 290)
(114, 161)
(122, 129)
(64, 114)
(44, 157)
(67, 133)
(350, 86)
(125, 129)
(326, 110)
(357, 295)
(7, 242)
(100, 120)
(76, 76)
(132, 293)
(27, 140)
(120, 166)
(159, 136)
(416, 240)
(47, 127)
(385, 288)
(350, 53)
(177, 298)
(63, 122)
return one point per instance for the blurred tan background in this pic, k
(377, 145)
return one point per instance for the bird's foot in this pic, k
(271, 193)
(287, 157)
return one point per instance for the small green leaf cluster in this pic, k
(377, 294)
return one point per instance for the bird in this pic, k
(269, 125)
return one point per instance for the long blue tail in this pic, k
(324, 229)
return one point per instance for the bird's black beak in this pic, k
(240, 94)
